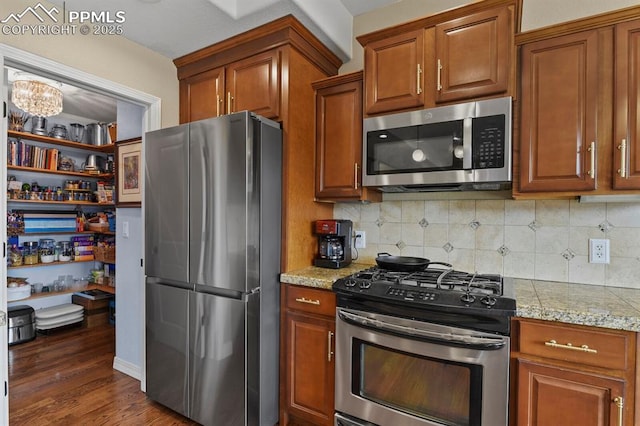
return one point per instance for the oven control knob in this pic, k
(468, 298)
(350, 282)
(489, 301)
(364, 284)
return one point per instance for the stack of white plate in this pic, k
(57, 316)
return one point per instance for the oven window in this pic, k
(438, 390)
(427, 147)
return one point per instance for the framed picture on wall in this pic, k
(129, 173)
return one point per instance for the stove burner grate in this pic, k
(435, 278)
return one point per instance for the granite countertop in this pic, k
(583, 304)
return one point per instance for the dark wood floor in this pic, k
(67, 378)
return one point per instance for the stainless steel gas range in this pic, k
(427, 347)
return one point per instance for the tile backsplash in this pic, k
(542, 239)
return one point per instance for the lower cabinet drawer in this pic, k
(312, 300)
(582, 345)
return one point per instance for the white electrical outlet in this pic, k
(361, 240)
(598, 250)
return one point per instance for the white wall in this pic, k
(543, 240)
(129, 293)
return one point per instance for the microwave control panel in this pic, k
(488, 142)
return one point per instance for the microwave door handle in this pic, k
(466, 143)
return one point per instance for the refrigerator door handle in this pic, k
(170, 283)
(222, 292)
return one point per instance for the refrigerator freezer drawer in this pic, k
(167, 332)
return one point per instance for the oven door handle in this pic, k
(450, 339)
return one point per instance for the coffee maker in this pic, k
(334, 243)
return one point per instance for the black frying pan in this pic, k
(405, 263)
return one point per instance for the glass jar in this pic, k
(15, 256)
(47, 250)
(64, 251)
(30, 252)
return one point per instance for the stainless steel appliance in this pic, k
(98, 134)
(458, 147)
(22, 324)
(424, 347)
(212, 263)
(334, 243)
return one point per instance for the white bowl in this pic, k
(17, 293)
(47, 258)
(63, 258)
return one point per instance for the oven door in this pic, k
(395, 371)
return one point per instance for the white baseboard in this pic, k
(127, 368)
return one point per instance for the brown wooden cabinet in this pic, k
(394, 72)
(568, 374)
(559, 101)
(459, 54)
(474, 55)
(202, 96)
(626, 142)
(339, 139)
(254, 84)
(250, 84)
(309, 332)
(578, 132)
(269, 70)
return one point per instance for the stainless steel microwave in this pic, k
(459, 147)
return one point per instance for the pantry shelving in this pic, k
(64, 186)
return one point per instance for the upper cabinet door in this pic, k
(559, 104)
(474, 55)
(394, 73)
(202, 96)
(253, 84)
(626, 147)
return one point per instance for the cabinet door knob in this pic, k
(329, 346)
(592, 151)
(619, 401)
(355, 175)
(229, 102)
(622, 171)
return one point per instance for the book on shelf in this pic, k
(22, 154)
(95, 294)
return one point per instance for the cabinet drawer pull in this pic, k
(308, 301)
(583, 348)
(592, 151)
(439, 77)
(619, 401)
(623, 158)
(329, 346)
(355, 175)
(419, 79)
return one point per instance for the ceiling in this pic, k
(174, 28)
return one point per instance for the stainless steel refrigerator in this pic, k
(212, 262)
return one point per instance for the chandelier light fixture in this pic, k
(36, 98)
